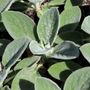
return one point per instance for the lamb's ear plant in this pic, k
(47, 31)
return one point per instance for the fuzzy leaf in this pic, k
(62, 70)
(18, 25)
(45, 83)
(85, 50)
(86, 25)
(5, 88)
(26, 62)
(48, 26)
(66, 50)
(70, 20)
(5, 4)
(14, 51)
(36, 48)
(25, 79)
(78, 80)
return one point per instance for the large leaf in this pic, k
(48, 26)
(85, 50)
(70, 20)
(5, 4)
(25, 79)
(86, 25)
(45, 83)
(3, 44)
(78, 80)
(14, 51)
(62, 70)
(66, 50)
(26, 62)
(18, 25)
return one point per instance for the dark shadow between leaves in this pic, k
(26, 85)
(72, 67)
(76, 2)
(68, 27)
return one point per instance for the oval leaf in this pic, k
(62, 70)
(14, 51)
(18, 25)
(66, 50)
(42, 83)
(26, 62)
(70, 20)
(86, 25)
(48, 26)
(25, 79)
(85, 50)
(78, 80)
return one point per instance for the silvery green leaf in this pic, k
(36, 48)
(43, 83)
(78, 80)
(13, 52)
(36, 1)
(18, 25)
(86, 25)
(48, 26)
(66, 50)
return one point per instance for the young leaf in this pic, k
(14, 51)
(42, 83)
(18, 25)
(78, 80)
(26, 62)
(5, 4)
(85, 50)
(66, 50)
(86, 25)
(36, 48)
(48, 26)
(62, 70)
(25, 79)
(70, 20)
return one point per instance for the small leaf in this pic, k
(48, 26)
(26, 62)
(63, 69)
(78, 80)
(5, 4)
(3, 44)
(66, 50)
(36, 48)
(85, 50)
(70, 20)
(25, 79)
(45, 83)
(14, 51)
(86, 25)
(18, 25)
